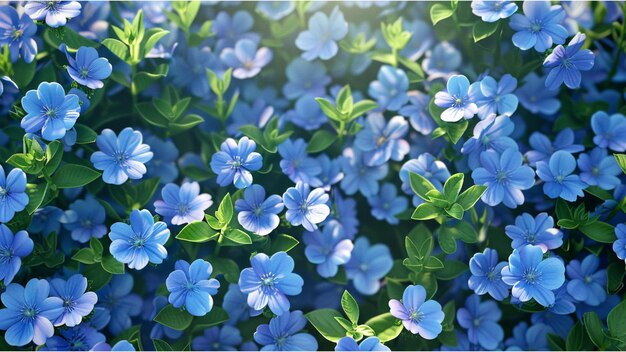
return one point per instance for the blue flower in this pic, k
(371, 343)
(49, 111)
(418, 114)
(235, 161)
(535, 98)
(46, 220)
(390, 88)
(559, 182)
(88, 69)
(245, 59)
(140, 242)
(599, 169)
(494, 97)
(17, 33)
(492, 133)
(119, 303)
(13, 197)
(29, 313)
(358, 176)
(160, 331)
(533, 338)
(505, 177)
(78, 338)
(184, 204)
(190, 286)
(93, 21)
(610, 131)
(188, 69)
(418, 315)
(55, 13)
(297, 164)
(121, 157)
(481, 321)
(619, 246)
(283, 334)
(320, 40)
(344, 210)
(456, 100)
(229, 30)
(536, 231)
(367, 265)
(77, 302)
(564, 303)
(305, 77)
(85, 219)
(532, 276)
(306, 113)
(331, 172)
(328, 249)
(486, 276)
(306, 207)
(12, 249)
(542, 148)
(442, 61)
(226, 338)
(566, 63)
(275, 10)
(381, 140)
(587, 284)
(236, 304)
(256, 213)
(269, 281)
(539, 27)
(492, 11)
(163, 164)
(387, 204)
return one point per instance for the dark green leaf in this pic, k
(160, 345)
(174, 318)
(482, 30)
(451, 270)
(321, 140)
(282, 243)
(111, 265)
(74, 176)
(323, 320)
(599, 231)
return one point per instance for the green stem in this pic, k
(218, 245)
(619, 48)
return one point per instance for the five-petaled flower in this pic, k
(234, 161)
(456, 100)
(190, 286)
(418, 315)
(49, 111)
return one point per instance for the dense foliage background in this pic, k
(312, 175)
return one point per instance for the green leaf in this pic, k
(482, 30)
(449, 311)
(36, 195)
(426, 211)
(215, 317)
(567, 224)
(96, 246)
(433, 263)
(111, 265)
(470, 196)
(225, 211)
(385, 326)
(174, 318)
(455, 211)
(237, 236)
(439, 12)
(452, 187)
(226, 267)
(350, 307)
(118, 48)
(447, 242)
(615, 277)
(186, 122)
(282, 243)
(420, 185)
(616, 319)
(555, 342)
(451, 270)
(329, 109)
(197, 232)
(361, 107)
(85, 135)
(85, 256)
(599, 231)
(144, 80)
(593, 325)
(160, 345)
(74, 176)
(152, 38)
(96, 276)
(323, 320)
(321, 140)
(56, 36)
(577, 339)
(23, 73)
(621, 161)
(54, 155)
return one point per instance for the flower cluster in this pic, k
(312, 175)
